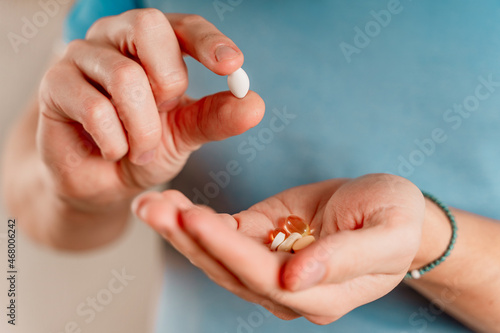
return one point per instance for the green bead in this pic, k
(451, 244)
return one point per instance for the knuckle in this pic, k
(212, 37)
(125, 72)
(94, 112)
(148, 18)
(60, 71)
(174, 82)
(190, 19)
(115, 151)
(97, 26)
(51, 76)
(149, 133)
(75, 47)
(53, 86)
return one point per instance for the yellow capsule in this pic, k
(296, 224)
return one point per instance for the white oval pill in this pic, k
(238, 83)
(286, 246)
(280, 237)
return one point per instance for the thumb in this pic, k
(348, 254)
(213, 118)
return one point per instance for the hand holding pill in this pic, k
(362, 246)
(124, 89)
(285, 239)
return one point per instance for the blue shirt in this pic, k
(406, 87)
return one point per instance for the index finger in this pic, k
(157, 41)
(205, 43)
(250, 261)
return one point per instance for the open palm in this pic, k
(367, 229)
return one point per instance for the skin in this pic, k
(370, 231)
(112, 120)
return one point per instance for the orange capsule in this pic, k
(273, 233)
(296, 224)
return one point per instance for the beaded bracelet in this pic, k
(417, 273)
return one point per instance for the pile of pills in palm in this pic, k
(294, 236)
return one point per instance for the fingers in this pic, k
(128, 86)
(326, 303)
(349, 254)
(69, 97)
(156, 74)
(205, 43)
(164, 212)
(214, 117)
(380, 233)
(249, 260)
(147, 36)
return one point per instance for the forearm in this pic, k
(467, 284)
(32, 199)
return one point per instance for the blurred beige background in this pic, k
(55, 289)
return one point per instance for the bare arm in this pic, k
(467, 284)
(371, 231)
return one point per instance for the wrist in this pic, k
(436, 235)
(75, 229)
(65, 223)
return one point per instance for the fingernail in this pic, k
(138, 208)
(146, 157)
(224, 52)
(169, 105)
(312, 276)
(140, 203)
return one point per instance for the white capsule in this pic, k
(286, 246)
(280, 237)
(238, 83)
